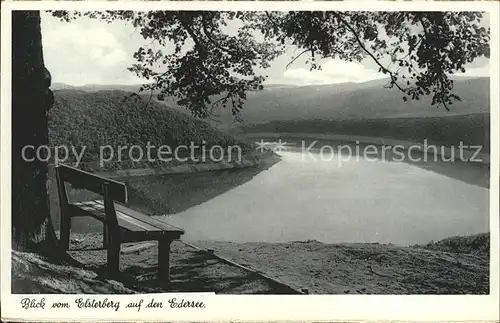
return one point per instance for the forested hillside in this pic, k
(95, 119)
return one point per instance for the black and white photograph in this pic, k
(244, 152)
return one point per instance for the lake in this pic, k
(302, 198)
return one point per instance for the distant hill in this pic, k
(469, 129)
(341, 101)
(369, 109)
(129, 87)
(352, 108)
(96, 87)
(274, 86)
(368, 100)
(102, 118)
(358, 101)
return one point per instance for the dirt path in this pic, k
(191, 271)
(362, 268)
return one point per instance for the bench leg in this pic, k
(113, 242)
(105, 236)
(164, 260)
(65, 227)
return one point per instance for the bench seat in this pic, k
(129, 220)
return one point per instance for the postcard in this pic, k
(257, 161)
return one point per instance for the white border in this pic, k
(297, 308)
(355, 5)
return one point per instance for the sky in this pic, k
(88, 51)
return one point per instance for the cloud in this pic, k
(332, 71)
(83, 52)
(337, 71)
(479, 67)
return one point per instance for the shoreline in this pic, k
(252, 159)
(247, 160)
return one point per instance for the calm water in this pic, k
(357, 201)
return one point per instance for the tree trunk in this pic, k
(31, 98)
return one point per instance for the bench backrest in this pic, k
(115, 190)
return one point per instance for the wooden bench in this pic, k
(120, 223)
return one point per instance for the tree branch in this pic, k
(150, 97)
(208, 34)
(421, 20)
(193, 35)
(363, 47)
(445, 105)
(272, 21)
(296, 57)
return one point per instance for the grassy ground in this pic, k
(321, 268)
(476, 244)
